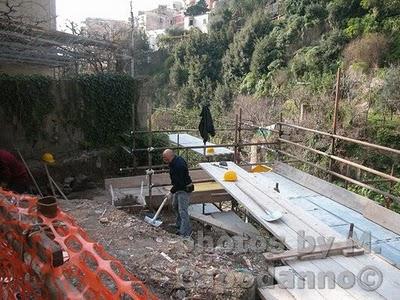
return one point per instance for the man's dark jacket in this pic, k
(206, 126)
(179, 173)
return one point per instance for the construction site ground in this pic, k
(172, 267)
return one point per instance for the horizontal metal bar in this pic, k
(348, 179)
(205, 147)
(395, 151)
(255, 127)
(370, 170)
(185, 130)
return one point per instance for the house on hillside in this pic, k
(200, 22)
(156, 19)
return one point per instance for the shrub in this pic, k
(370, 49)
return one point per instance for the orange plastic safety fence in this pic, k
(43, 258)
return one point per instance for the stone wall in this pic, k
(62, 137)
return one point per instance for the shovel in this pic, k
(153, 221)
(271, 216)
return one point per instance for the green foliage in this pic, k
(223, 96)
(200, 8)
(236, 62)
(340, 11)
(195, 68)
(359, 26)
(26, 100)
(106, 107)
(266, 56)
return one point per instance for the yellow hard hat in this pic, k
(230, 176)
(210, 151)
(260, 169)
(48, 158)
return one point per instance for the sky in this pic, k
(79, 10)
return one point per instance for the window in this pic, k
(191, 22)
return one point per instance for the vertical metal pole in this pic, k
(240, 136)
(334, 126)
(280, 136)
(388, 201)
(132, 41)
(134, 137)
(150, 152)
(236, 139)
(346, 183)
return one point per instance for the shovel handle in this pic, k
(160, 208)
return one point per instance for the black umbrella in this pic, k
(206, 126)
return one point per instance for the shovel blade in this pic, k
(271, 216)
(155, 223)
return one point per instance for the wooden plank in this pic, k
(350, 216)
(316, 228)
(238, 228)
(297, 217)
(196, 197)
(351, 264)
(187, 140)
(332, 191)
(382, 216)
(281, 274)
(136, 181)
(232, 219)
(322, 268)
(275, 293)
(327, 250)
(390, 285)
(306, 272)
(278, 231)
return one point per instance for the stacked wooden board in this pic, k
(189, 141)
(295, 223)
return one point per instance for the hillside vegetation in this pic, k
(270, 57)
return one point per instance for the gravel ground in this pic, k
(173, 268)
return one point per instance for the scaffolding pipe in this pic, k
(369, 170)
(394, 151)
(202, 147)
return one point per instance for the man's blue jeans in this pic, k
(180, 204)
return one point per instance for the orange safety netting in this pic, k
(53, 258)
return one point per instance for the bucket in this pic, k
(47, 206)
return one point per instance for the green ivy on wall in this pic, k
(26, 99)
(105, 107)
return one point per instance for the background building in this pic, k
(200, 22)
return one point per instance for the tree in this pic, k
(112, 60)
(200, 8)
(236, 62)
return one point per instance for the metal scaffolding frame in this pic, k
(21, 43)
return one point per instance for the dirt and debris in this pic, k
(172, 267)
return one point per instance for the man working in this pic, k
(13, 174)
(181, 187)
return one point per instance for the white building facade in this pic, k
(200, 22)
